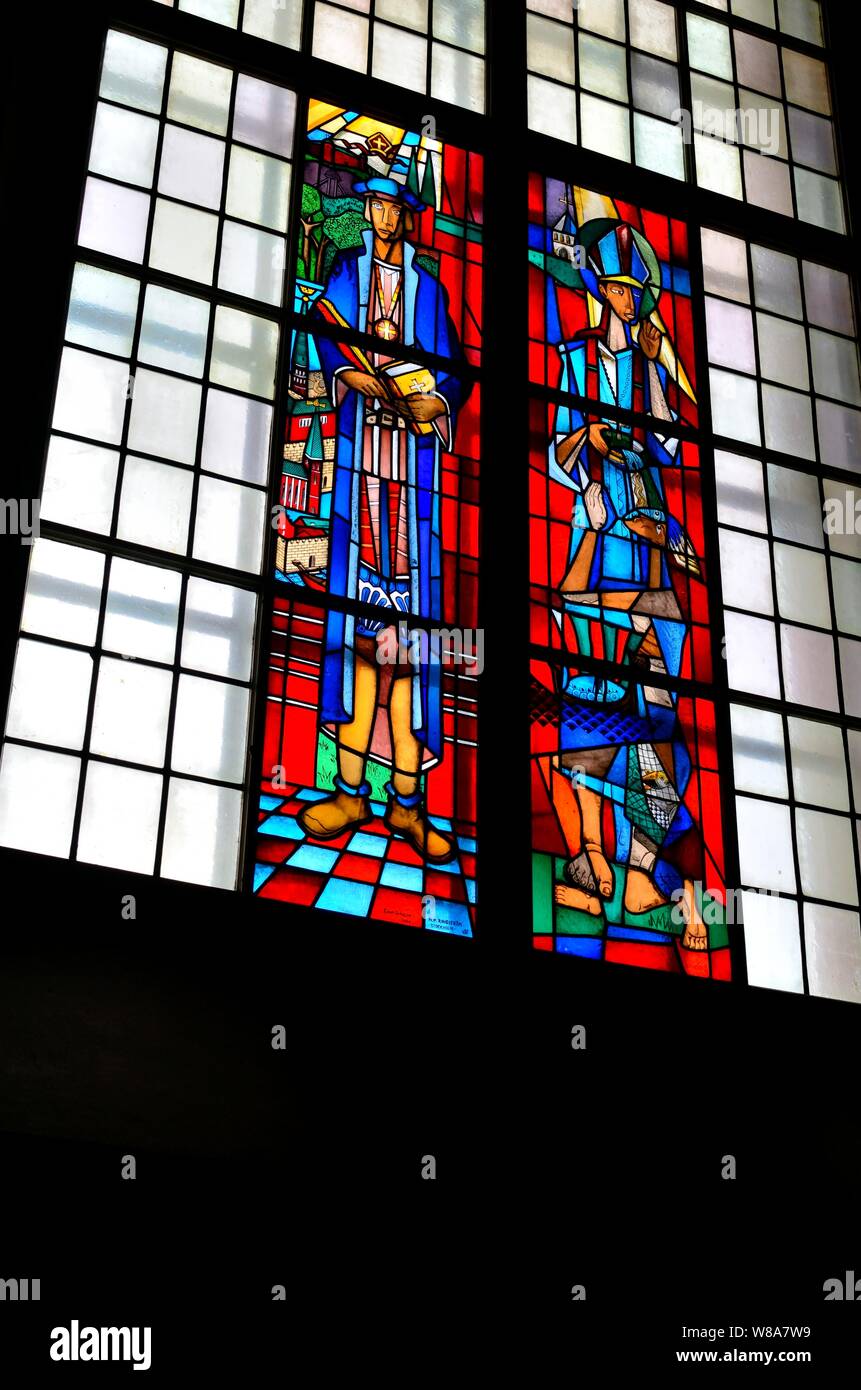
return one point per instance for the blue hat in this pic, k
(387, 188)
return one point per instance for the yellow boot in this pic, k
(346, 810)
(411, 822)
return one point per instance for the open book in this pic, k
(397, 379)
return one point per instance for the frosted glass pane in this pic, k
(64, 589)
(91, 395)
(788, 422)
(808, 668)
(735, 406)
(28, 818)
(842, 519)
(839, 435)
(759, 11)
(767, 183)
(603, 16)
(50, 694)
(758, 754)
(400, 58)
(850, 666)
(708, 47)
(252, 263)
(751, 654)
(820, 200)
(282, 25)
(561, 9)
(458, 77)
(550, 48)
(229, 525)
(173, 331)
(740, 491)
(114, 220)
(155, 505)
(236, 437)
(131, 711)
(656, 86)
(818, 764)
(604, 127)
(764, 845)
(746, 572)
(142, 611)
(164, 419)
(832, 937)
(659, 146)
(855, 763)
(219, 629)
(258, 188)
(102, 310)
(201, 833)
(460, 22)
(762, 124)
(340, 38)
(826, 858)
(123, 145)
(802, 585)
(219, 11)
(183, 241)
(265, 114)
(209, 732)
(725, 265)
(775, 281)
(796, 514)
(653, 27)
(835, 366)
(718, 166)
(133, 71)
(244, 351)
(730, 335)
(119, 820)
(806, 81)
(756, 64)
(552, 109)
(603, 67)
(803, 18)
(846, 580)
(782, 351)
(771, 943)
(812, 140)
(715, 105)
(79, 486)
(191, 166)
(199, 93)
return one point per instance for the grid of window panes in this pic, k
(128, 723)
(431, 46)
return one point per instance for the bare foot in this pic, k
(601, 870)
(641, 895)
(576, 897)
(695, 937)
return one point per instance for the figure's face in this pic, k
(621, 300)
(387, 218)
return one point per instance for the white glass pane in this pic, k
(236, 436)
(340, 38)
(746, 572)
(173, 331)
(550, 48)
(229, 525)
(826, 858)
(659, 146)
(219, 629)
(767, 183)
(265, 115)
(818, 764)
(808, 668)
(782, 351)
(775, 282)
(219, 11)
(603, 68)
(280, 25)
(718, 166)
(762, 125)
(411, 13)
(788, 422)
(820, 200)
(740, 491)
(730, 335)
(64, 589)
(201, 833)
(850, 667)
(758, 755)
(835, 366)
(803, 18)
(133, 71)
(796, 513)
(79, 486)
(114, 220)
(155, 505)
(460, 22)
(91, 395)
(142, 611)
(846, 580)
(164, 419)
(123, 145)
(832, 937)
(183, 241)
(209, 729)
(759, 11)
(28, 818)
(806, 81)
(119, 820)
(812, 140)
(764, 845)
(771, 943)
(457, 77)
(751, 654)
(725, 265)
(102, 310)
(252, 263)
(828, 298)
(191, 166)
(756, 63)
(839, 435)
(714, 107)
(199, 93)
(602, 16)
(656, 86)
(842, 517)
(400, 58)
(735, 406)
(131, 711)
(552, 109)
(244, 351)
(258, 188)
(653, 27)
(50, 694)
(604, 127)
(708, 47)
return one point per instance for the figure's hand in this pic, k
(650, 339)
(597, 440)
(421, 409)
(596, 509)
(363, 382)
